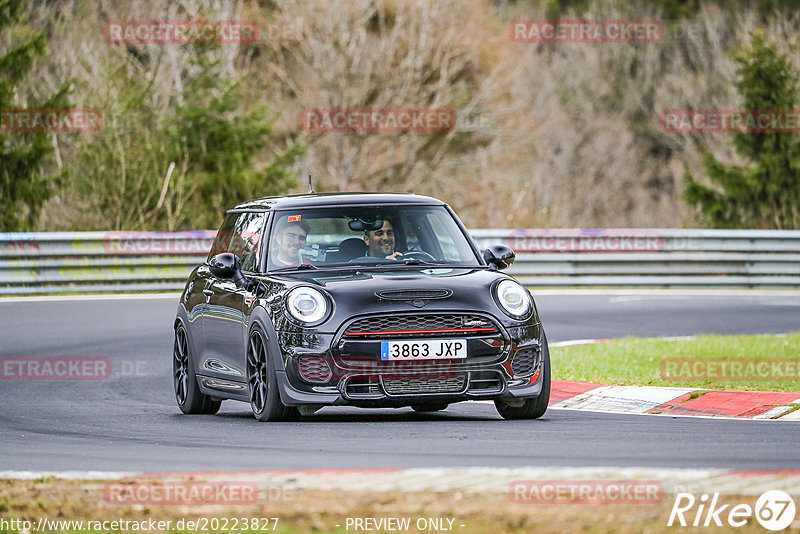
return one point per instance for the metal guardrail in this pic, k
(35, 263)
(652, 257)
(86, 262)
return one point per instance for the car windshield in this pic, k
(376, 236)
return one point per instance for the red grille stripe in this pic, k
(420, 331)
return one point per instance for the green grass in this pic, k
(638, 361)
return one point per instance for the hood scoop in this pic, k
(413, 294)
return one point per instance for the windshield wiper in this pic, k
(302, 266)
(399, 263)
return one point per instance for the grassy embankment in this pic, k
(753, 362)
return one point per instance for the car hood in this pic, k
(354, 292)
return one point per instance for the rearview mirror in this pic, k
(360, 225)
(499, 256)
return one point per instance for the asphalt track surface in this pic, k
(130, 422)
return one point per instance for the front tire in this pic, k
(265, 399)
(532, 408)
(187, 393)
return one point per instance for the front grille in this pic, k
(486, 382)
(315, 369)
(420, 325)
(372, 366)
(409, 386)
(524, 362)
(434, 367)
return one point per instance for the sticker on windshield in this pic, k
(293, 218)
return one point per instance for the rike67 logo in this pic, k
(774, 510)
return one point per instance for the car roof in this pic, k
(315, 200)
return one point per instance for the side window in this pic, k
(223, 238)
(240, 234)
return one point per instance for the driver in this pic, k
(381, 242)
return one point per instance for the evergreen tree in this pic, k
(23, 187)
(122, 175)
(220, 143)
(765, 194)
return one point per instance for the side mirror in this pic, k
(227, 266)
(499, 256)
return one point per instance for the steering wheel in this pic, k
(418, 255)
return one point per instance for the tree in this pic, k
(765, 194)
(23, 187)
(378, 56)
(179, 165)
(220, 144)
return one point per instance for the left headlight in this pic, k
(307, 305)
(513, 298)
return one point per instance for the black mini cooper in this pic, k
(371, 300)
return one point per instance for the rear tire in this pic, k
(265, 399)
(532, 408)
(184, 380)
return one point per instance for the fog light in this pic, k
(315, 369)
(524, 362)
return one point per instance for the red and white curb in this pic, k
(464, 479)
(676, 401)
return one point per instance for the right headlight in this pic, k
(307, 305)
(513, 298)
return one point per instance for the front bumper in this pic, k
(349, 379)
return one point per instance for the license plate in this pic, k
(417, 349)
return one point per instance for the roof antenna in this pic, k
(310, 187)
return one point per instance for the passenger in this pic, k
(381, 242)
(291, 239)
